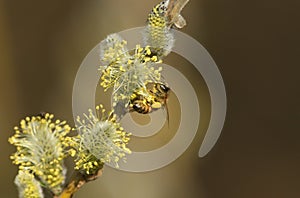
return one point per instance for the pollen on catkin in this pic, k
(113, 54)
(100, 140)
(28, 186)
(119, 64)
(112, 49)
(137, 73)
(41, 146)
(157, 33)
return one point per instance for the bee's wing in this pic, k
(120, 109)
(119, 104)
(162, 80)
(173, 11)
(167, 112)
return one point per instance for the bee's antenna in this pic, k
(42, 114)
(111, 115)
(167, 110)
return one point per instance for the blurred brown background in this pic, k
(254, 43)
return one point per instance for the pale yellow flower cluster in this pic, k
(28, 186)
(100, 140)
(41, 148)
(121, 67)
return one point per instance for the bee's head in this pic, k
(164, 88)
(136, 106)
(42, 114)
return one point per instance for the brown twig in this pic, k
(77, 180)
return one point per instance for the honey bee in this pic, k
(144, 100)
(154, 97)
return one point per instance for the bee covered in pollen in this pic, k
(150, 99)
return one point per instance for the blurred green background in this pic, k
(254, 43)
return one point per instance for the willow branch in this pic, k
(77, 180)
